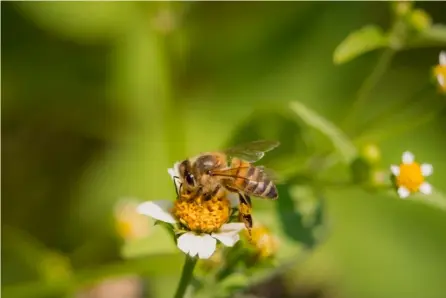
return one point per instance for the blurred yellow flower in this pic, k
(129, 223)
(410, 176)
(440, 71)
(265, 243)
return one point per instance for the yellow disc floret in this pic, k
(203, 216)
(410, 176)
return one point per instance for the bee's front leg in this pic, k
(245, 212)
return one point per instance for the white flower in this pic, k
(175, 174)
(410, 176)
(201, 245)
(192, 243)
(440, 71)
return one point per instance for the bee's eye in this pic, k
(189, 178)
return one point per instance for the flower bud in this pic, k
(263, 241)
(402, 8)
(420, 20)
(371, 153)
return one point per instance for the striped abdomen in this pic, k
(253, 180)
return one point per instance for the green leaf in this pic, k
(271, 125)
(278, 125)
(300, 210)
(366, 39)
(340, 141)
(81, 21)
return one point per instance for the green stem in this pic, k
(367, 86)
(186, 276)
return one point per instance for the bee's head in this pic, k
(186, 176)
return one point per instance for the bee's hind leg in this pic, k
(245, 212)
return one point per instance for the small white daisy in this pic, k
(205, 221)
(410, 176)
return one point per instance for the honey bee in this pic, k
(214, 174)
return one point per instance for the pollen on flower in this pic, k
(203, 216)
(410, 176)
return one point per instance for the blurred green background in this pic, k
(99, 99)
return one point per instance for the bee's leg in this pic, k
(245, 212)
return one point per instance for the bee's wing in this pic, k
(233, 173)
(253, 151)
(272, 175)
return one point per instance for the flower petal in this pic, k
(442, 58)
(427, 169)
(233, 227)
(228, 239)
(233, 200)
(188, 243)
(206, 246)
(408, 157)
(403, 192)
(395, 170)
(425, 188)
(171, 172)
(174, 173)
(159, 210)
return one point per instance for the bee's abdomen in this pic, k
(258, 184)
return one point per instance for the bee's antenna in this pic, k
(175, 184)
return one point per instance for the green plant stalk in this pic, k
(367, 86)
(186, 276)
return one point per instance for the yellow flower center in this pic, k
(441, 70)
(203, 216)
(410, 176)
